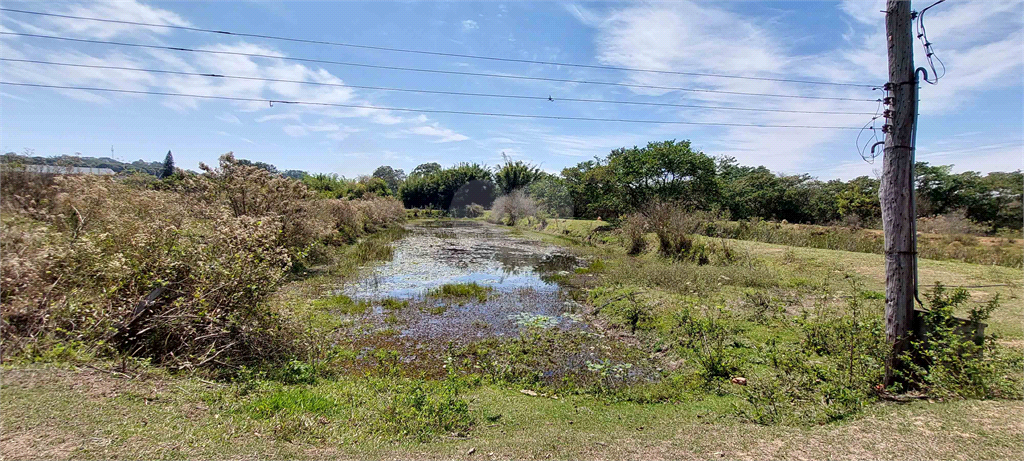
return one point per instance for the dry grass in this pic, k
(176, 271)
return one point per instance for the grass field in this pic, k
(52, 413)
(72, 408)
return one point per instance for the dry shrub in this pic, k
(380, 212)
(955, 222)
(25, 192)
(346, 218)
(473, 210)
(634, 229)
(675, 227)
(512, 207)
(25, 268)
(108, 247)
(179, 275)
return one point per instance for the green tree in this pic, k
(294, 174)
(460, 185)
(392, 177)
(997, 199)
(860, 198)
(515, 175)
(592, 189)
(327, 185)
(261, 165)
(168, 168)
(368, 185)
(426, 169)
(667, 171)
(552, 195)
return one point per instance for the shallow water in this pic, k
(443, 252)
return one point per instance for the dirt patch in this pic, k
(36, 444)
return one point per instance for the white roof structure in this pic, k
(54, 169)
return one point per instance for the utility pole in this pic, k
(897, 186)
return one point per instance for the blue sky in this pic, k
(972, 118)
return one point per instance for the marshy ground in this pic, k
(478, 341)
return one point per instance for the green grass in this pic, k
(756, 297)
(217, 421)
(954, 247)
(461, 292)
(393, 304)
(342, 304)
(800, 269)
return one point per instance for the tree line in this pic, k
(629, 179)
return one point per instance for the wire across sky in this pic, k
(433, 53)
(336, 84)
(428, 111)
(413, 90)
(434, 71)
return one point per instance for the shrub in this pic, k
(179, 273)
(622, 307)
(950, 356)
(830, 374)
(707, 338)
(763, 306)
(954, 222)
(634, 233)
(512, 207)
(675, 228)
(798, 389)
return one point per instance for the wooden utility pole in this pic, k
(897, 184)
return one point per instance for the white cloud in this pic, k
(385, 118)
(704, 38)
(285, 116)
(295, 130)
(469, 24)
(442, 134)
(978, 41)
(225, 133)
(121, 10)
(323, 127)
(229, 118)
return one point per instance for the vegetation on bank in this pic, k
(231, 275)
(177, 271)
(629, 179)
(634, 229)
(673, 339)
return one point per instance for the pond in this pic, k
(402, 315)
(521, 273)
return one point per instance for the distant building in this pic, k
(54, 169)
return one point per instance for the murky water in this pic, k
(444, 252)
(522, 274)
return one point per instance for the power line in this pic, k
(412, 90)
(428, 111)
(435, 71)
(435, 53)
(929, 52)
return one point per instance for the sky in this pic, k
(972, 118)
